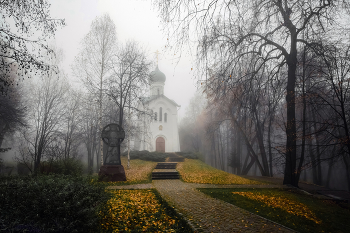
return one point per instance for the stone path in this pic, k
(132, 186)
(206, 214)
(209, 214)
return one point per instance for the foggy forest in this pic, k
(271, 81)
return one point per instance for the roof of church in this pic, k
(149, 99)
(157, 75)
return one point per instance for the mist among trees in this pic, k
(273, 81)
(45, 119)
(275, 75)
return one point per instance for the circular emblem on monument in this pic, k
(160, 127)
(113, 134)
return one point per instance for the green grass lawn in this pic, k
(196, 171)
(289, 208)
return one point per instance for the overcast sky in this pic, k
(134, 19)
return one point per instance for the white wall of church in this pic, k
(169, 129)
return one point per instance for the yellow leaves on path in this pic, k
(135, 210)
(292, 207)
(195, 171)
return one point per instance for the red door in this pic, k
(160, 144)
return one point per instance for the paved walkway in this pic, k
(132, 186)
(210, 214)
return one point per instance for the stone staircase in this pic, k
(175, 158)
(164, 171)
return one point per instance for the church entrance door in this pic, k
(160, 144)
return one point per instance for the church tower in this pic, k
(163, 124)
(157, 81)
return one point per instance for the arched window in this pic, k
(155, 116)
(160, 113)
(165, 117)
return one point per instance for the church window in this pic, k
(160, 113)
(155, 116)
(165, 117)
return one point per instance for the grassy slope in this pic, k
(289, 208)
(139, 173)
(195, 171)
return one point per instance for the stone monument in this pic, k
(112, 169)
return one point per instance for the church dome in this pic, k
(157, 76)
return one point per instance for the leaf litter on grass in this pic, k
(195, 171)
(292, 207)
(136, 210)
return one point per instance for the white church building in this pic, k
(159, 127)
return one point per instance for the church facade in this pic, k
(159, 123)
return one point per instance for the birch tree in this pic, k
(94, 62)
(129, 79)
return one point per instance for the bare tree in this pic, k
(335, 97)
(89, 127)
(70, 130)
(45, 116)
(229, 31)
(129, 79)
(24, 28)
(94, 62)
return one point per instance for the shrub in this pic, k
(68, 166)
(23, 169)
(51, 203)
(188, 155)
(147, 156)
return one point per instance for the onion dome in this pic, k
(157, 76)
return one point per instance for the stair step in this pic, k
(165, 167)
(166, 163)
(164, 174)
(165, 178)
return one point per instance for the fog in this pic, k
(209, 123)
(135, 20)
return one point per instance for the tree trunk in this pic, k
(347, 168)
(302, 153)
(238, 153)
(318, 154)
(269, 145)
(249, 166)
(260, 137)
(290, 167)
(330, 169)
(313, 160)
(249, 145)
